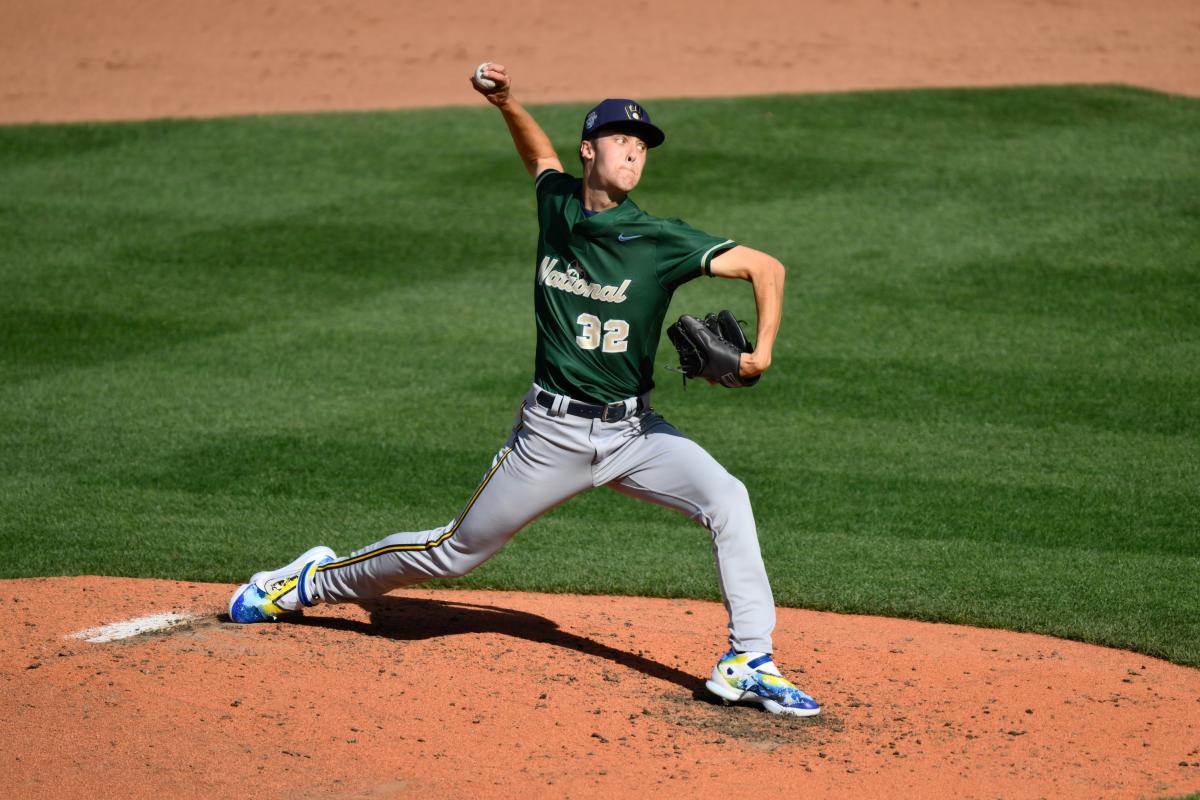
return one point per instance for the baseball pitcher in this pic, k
(603, 277)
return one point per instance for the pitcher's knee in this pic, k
(738, 493)
(729, 504)
(458, 556)
(458, 569)
(455, 564)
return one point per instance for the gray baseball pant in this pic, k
(550, 457)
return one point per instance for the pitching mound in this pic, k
(449, 694)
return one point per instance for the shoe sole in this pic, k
(728, 693)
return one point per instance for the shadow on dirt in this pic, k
(413, 619)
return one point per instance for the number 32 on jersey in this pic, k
(610, 336)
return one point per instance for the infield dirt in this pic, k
(445, 694)
(476, 694)
(70, 60)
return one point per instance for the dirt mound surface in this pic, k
(445, 694)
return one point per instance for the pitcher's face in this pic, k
(617, 159)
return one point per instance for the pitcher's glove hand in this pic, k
(712, 349)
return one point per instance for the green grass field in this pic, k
(223, 341)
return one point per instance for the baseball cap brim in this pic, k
(652, 135)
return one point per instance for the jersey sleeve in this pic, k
(685, 253)
(553, 188)
(551, 182)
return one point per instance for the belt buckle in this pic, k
(612, 407)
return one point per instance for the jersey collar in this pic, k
(622, 211)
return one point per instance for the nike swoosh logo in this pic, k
(623, 238)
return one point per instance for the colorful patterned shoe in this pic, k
(753, 677)
(275, 592)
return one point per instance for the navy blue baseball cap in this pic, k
(625, 114)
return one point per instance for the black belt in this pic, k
(609, 413)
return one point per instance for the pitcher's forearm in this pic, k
(766, 275)
(532, 143)
(768, 299)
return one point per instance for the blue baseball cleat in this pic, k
(754, 678)
(281, 591)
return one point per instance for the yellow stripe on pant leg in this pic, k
(396, 548)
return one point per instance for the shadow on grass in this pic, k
(413, 619)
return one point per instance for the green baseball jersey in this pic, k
(602, 287)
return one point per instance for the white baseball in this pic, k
(480, 81)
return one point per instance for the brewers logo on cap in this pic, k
(634, 111)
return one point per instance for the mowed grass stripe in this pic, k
(223, 341)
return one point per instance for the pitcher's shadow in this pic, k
(414, 619)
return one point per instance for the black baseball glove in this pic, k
(712, 348)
